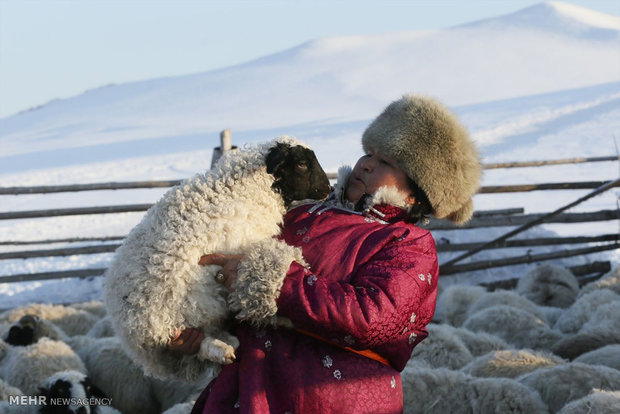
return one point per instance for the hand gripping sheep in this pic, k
(155, 285)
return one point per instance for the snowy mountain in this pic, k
(541, 83)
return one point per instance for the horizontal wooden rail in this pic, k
(602, 215)
(131, 208)
(28, 214)
(30, 277)
(596, 268)
(67, 251)
(542, 241)
(522, 188)
(510, 261)
(549, 162)
(44, 189)
(67, 240)
(442, 248)
(169, 183)
(499, 212)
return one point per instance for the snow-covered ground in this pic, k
(542, 83)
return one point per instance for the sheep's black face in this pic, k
(298, 174)
(23, 332)
(61, 391)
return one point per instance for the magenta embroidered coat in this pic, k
(369, 282)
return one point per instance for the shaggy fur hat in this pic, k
(434, 150)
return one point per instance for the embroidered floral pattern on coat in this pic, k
(364, 292)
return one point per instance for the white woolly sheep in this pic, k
(428, 391)
(454, 302)
(608, 355)
(507, 298)
(549, 285)
(73, 392)
(480, 343)
(578, 314)
(603, 328)
(515, 326)
(551, 314)
(96, 307)
(561, 384)
(155, 286)
(103, 328)
(598, 402)
(116, 374)
(610, 280)
(123, 380)
(510, 363)
(7, 390)
(442, 348)
(71, 321)
(26, 366)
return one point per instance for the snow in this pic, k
(541, 83)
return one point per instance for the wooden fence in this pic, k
(482, 219)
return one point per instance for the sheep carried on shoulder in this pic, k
(155, 285)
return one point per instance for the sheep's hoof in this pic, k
(217, 351)
(229, 357)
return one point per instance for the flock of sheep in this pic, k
(546, 347)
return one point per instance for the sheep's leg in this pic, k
(215, 350)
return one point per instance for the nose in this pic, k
(366, 163)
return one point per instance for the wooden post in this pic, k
(225, 146)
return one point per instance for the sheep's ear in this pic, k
(276, 157)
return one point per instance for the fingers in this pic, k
(213, 259)
(187, 342)
(218, 259)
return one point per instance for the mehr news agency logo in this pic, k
(58, 401)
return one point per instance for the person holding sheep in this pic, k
(353, 275)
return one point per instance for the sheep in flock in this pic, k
(479, 343)
(454, 302)
(507, 298)
(549, 285)
(573, 318)
(72, 384)
(515, 326)
(155, 286)
(598, 402)
(72, 321)
(603, 328)
(25, 367)
(608, 355)
(29, 329)
(551, 314)
(510, 363)
(442, 348)
(611, 281)
(7, 390)
(96, 307)
(561, 384)
(103, 328)
(429, 391)
(123, 380)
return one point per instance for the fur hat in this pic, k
(433, 148)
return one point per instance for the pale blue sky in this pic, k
(59, 48)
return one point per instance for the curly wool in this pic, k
(260, 276)
(155, 286)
